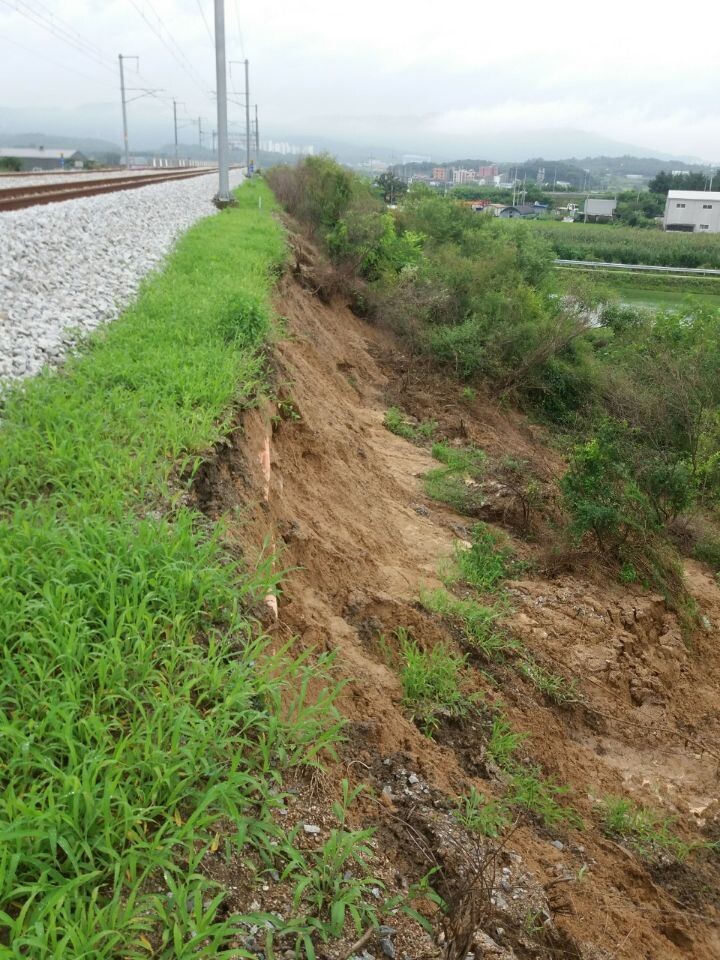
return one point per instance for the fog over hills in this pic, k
(97, 126)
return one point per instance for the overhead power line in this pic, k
(239, 28)
(67, 35)
(177, 53)
(207, 25)
(56, 63)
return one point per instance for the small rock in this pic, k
(558, 844)
(311, 828)
(387, 947)
(413, 779)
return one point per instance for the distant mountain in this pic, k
(85, 144)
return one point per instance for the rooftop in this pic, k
(25, 153)
(694, 195)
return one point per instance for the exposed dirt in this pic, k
(347, 513)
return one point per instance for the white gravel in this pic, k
(65, 268)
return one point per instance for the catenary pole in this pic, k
(257, 138)
(247, 115)
(126, 147)
(223, 197)
(175, 126)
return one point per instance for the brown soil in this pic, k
(351, 524)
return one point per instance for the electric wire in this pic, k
(80, 46)
(177, 54)
(207, 25)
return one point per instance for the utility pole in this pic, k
(200, 131)
(257, 138)
(247, 114)
(223, 197)
(175, 106)
(126, 148)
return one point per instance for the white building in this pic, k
(695, 211)
(461, 175)
(596, 208)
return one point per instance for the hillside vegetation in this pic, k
(633, 398)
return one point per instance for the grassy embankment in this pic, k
(140, 710)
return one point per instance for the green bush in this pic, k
(602, 496)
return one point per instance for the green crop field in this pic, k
(658, 291)
(616, 244)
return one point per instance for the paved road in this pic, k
(640, 267)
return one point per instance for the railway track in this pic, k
(16, 198)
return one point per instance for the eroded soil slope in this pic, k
(347, 511)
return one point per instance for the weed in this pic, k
(456, 483)
(627, 574)
(478, 622)
(525, 487)
(534, 923)
(480, 815)
(468, 394)
(553, 686)
(503, 743)
(326, 881)
(539, 796)
(485, 563)
(396, 422)
(432, 684)
(646, 831)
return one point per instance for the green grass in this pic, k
(552, 685)
(707, 549)
(398, 423)
(486, 563)
(456, 482)
(489, 818)
(144, 722)
(527, 789)
(478, 622)
(432, 684)
(648, 833)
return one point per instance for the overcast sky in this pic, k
(404, 73)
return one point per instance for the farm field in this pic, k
(615, 244)
(658, 299)
(654, 291)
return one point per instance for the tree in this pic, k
(10, 163)
(664, 182)
(391, 186)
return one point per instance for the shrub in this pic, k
(601, 494)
